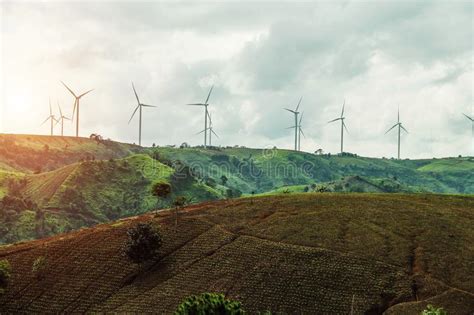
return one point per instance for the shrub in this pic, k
(431, 310)
(209, 303)
(5, 273)
(39, 267)
(143, 242)
(161, 190)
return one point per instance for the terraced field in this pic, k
(301, 253)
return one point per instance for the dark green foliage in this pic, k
(143, 243)
(431, 310)
(209, 304)
(161, 190)
(5, 272)
(224, 180)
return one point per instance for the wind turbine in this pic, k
(295, 113)
(61, 119)
(472, 127)
(300, 132)
(400, 127)
(206, 114)
(76, 105)
(210, 129)
(50, 117)
(139, 107)
(343, 125)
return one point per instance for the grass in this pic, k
(303, 253)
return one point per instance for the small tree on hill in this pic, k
(209, 303)
(161, 190)
(39, 267)
(431, 310)
(178, 203)
(5, 273)
(224, 180)
(143, 243)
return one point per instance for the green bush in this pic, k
(5, 273)
(209, 304)
(39, 267)
(431, 310)
(143, 242)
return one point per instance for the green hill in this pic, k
(50, 185)
(301, 253)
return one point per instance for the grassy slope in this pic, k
(92, 192)
(307, 253)
(32, 153)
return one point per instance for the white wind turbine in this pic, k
(61, 120)
(400, 127)
(76, 106)
(295, 113)
(139, 108)
(206, 114)
(210, 129)
(472, 129)
(300, 132)
(51, 118)
(343, 125)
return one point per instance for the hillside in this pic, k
(88, 193)
(36, 154)
(51, 185)
(302, 253)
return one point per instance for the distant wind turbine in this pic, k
(400, 127)
(139, 108)
(61, 120)
(76, 106)
(51, 118)
(295, 113)
(206, 115)
(210, 130)
(343, 125)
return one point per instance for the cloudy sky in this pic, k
(260, 56)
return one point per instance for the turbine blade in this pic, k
(345, 127)
(133, 113)
(215, 134)
(343, 106)
(68, 89)
(85, 93)
(45, 120)
(60, 111)
(50, 108)
(301, 118)
(470, 118)
(299, 102)
(391, 128)
(74, 109)
(209, 95)
(403, 128)
(136, 95)
(145, 105)
(301, 131)
(334, 120)
(196, 104)
(201, 132)
(291, 127)
(290, 110)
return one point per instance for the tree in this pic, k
(178, 203)
(143, 243)
(39, 267)
(209, 303)
(161, 190)
(224, 180)
(5, 273)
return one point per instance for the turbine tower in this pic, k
(343, 125)
(61, 119)
(472, 129)
(139, 107)
(295, 113)
(206, 114)
(76, 106)
(400, 127)
(51, 118)
(300, 132)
